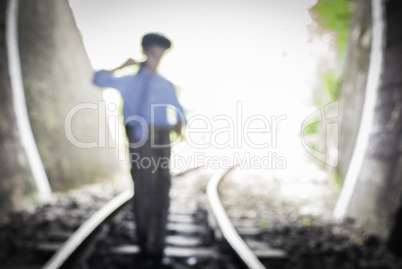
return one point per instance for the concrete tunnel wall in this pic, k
(17, 186)
(376, 197)
(56, 76)
(354, 81)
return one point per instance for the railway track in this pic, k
(200, 233)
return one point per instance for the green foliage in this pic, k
(331, 85)
(337, 180)
(313, 146)
(305, 222)
(333, 15)
(336, 15)
(311, 129)
(263, 223)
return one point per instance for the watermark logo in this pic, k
(326, 118)
(218, 132)
(222, 131)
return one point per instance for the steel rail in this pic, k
(225, 225)
(86, 229)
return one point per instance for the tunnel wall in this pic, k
(384, 153)
(392, 87)
(376, 198)
(353, 86)
(57, 76)
(17, 186)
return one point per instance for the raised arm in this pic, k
(106, 78)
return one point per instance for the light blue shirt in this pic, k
(161, 94)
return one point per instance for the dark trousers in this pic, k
(152, 181)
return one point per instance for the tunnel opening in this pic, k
(246, 90)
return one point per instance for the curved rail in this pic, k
(67, 250)
(226, 226)
(85, 230)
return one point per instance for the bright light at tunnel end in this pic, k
(215, 141)
(264, 60)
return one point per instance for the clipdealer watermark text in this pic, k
(222, 131)
(270, 161)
